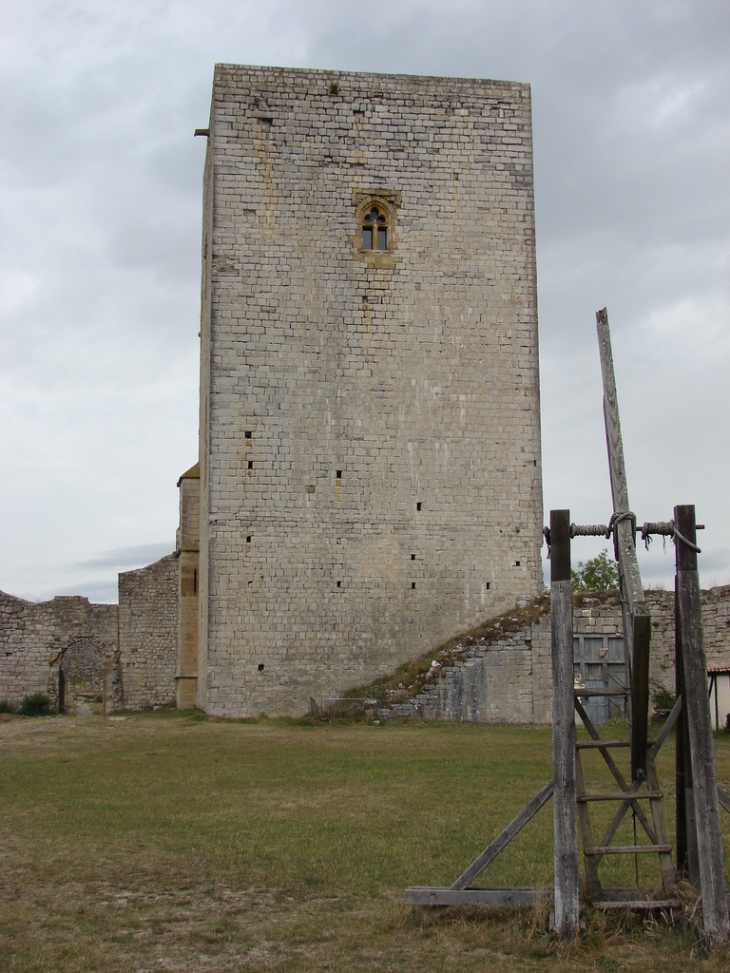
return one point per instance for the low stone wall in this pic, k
(130, 653)
(510, 680)
(506, 681)
(38, 640)
(601, 614)
(148, 623)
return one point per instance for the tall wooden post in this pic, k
(636, 619)
(565, 832)
(686, 848)
(697, 713)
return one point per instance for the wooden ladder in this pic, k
(628, 796)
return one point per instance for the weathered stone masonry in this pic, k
(370, 466)
(509, 680)
(125, 656)
(37, 641)
(370, 474)
(148, 634)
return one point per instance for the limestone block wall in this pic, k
(370, 444)
(716, 625)
(507, 681)
(38, 639)
(148, 634)
(510, 680)
(186, 677)
(604, 615)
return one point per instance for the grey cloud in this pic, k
(122, 558)
(102, 204)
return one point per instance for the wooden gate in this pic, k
(599, 662)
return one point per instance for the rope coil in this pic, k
(660, 528)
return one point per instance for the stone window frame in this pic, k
(375, 227)
(386, 201)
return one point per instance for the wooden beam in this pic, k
(627, 850)
(669, 873)
(640, 696)
(503, 839)
(601, 744)
(496, 898)
(639, 905)
(685, 850)
(716, 926)
(628, 564)
(619, 778)
(667, 728)
(565, 832)
(637, 628)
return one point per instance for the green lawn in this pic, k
(167, 842)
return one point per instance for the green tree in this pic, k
(598, 574)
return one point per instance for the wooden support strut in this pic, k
(716, 926)
(637, 627)
(565, 834)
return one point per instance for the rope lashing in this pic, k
(589, 530)
(616, 519)
(666, 528)
(683, 539)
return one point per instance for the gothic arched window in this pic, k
(375, 229)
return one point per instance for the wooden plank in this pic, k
(639, 905)
(686, 863)
(521, 898)
(716, 925)
(667, 728)
(640, 696)
(636, 621)
(600, 744)
(592, 878)
(503, 839)
(723, 799)
(623, 796)
(584, 691)
(669, 875)
(632, 588)
(628, 850)
(565, 833)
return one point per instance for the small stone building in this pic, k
(63, 648)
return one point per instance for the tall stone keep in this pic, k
(370, 472)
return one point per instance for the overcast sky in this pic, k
(101, 210)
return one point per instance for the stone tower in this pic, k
(370, 474)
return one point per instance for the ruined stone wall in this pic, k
(605, 615)
(148, 634)
(716, 625)
(38, 639)
(370, 441)
(510, 680)
(507, 681)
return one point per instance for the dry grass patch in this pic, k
(163, 842)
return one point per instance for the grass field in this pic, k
(167, 842)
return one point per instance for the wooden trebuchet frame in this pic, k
(699, 840)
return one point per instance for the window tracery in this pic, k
(375, 228)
